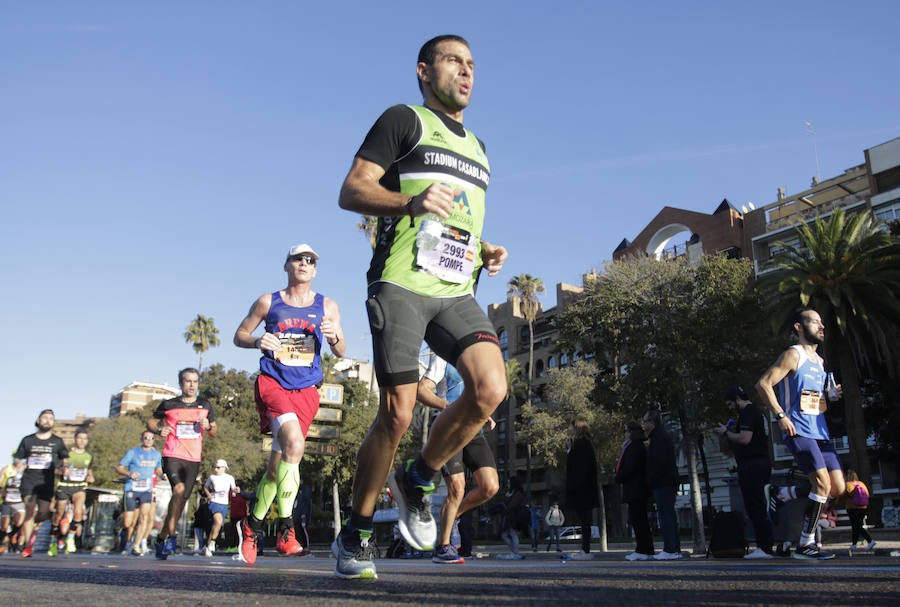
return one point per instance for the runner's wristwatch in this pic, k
(781, 415)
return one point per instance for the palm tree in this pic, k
(847, 269)
(201, 334)
(525, 289)
(369, 225)
(514, 388)
(328, 361)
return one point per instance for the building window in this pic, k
(781, 246)
(563, 359)
(888, 213)
(539, 368)
(503, 336)
(551, 362)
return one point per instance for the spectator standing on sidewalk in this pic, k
(581, 483)
(554, 519)
(662, 478)
(631, 472)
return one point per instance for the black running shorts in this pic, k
(477, 454)
(400, 320)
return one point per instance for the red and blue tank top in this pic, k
(298, 364)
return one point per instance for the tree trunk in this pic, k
(530, 357)
(853, 414)
(697, 532)
(604, 543)
(510, 436)
(706, 482)
(336, 504)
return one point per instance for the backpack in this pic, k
(727, 536)
(860, 495)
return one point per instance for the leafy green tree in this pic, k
(515, 392)
(359, 409)
(243, 452)
(202, 334)
(847, 268)
(524, 289)
(546, 426)
(231, 393)
(671, 336)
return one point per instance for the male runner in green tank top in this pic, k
(71, 487)
(424, 176)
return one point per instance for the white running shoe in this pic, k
(639, 556)
(759, 553)
(582, 556)
(667, 556)
(416, 524)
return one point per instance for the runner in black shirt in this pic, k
(43, 454)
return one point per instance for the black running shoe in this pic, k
(812, 552)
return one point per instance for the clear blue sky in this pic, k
(157, 159)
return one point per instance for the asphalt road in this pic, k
(218, 582)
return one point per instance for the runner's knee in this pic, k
(394, 424)
(456, 487)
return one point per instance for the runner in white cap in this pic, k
(218, 489)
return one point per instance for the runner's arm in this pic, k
(765, 387)
(243, 337)
(362, 193)
(331, 328)
(425, 394)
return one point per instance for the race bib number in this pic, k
(220, 497)
(445, 252)
(297, 351)
(141, 485)
(40, 461)
(188, 429)
(13, 496)
(812, 402)
(77, 474)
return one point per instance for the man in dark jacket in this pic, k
(662, 478)
(631, 472)
(581, 483)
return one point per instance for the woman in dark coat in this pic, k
(581, 482)
(631, 472)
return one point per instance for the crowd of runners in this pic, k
(424, 176)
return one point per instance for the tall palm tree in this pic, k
(515, 386)
(525, 289)
(369, 225)
(847, 269)
(201, 334)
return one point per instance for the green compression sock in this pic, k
(265, 495)
(288, 476)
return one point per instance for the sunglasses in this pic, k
(309, 259)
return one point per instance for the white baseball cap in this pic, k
(221, 464)
(300, 249)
